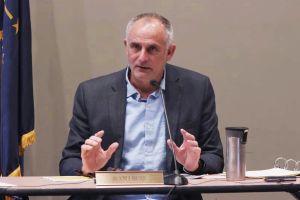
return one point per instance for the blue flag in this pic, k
(16, 100)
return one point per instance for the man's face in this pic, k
(147, 51)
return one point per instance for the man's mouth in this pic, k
(143, 67)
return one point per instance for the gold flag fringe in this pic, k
(26, 140)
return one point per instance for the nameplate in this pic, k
(129, 178)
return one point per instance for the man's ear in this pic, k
(171, 51)
(125, 42)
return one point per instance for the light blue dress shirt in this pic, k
(144, 140)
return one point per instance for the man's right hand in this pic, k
(93, 156)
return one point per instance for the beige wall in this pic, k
(249, 49)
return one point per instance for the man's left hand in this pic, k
(188, 154)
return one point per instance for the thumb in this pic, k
(111, 149)
(170, 143)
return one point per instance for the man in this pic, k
(118, 119)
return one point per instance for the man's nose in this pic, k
(143, 57)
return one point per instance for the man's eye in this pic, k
(152, 49)
(135, 46)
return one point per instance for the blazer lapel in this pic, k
(117, 112)
(173, 95)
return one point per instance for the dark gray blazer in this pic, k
(100, 104)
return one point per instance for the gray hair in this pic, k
(167, 24)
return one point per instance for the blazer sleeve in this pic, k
(79, 132)
(209, 141)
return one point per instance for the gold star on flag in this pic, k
(16, 26)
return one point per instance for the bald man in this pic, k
(118, 120)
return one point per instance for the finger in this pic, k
(186, 135)
(111, 149)
(172, 145)
(93, 142)
(95, 138)
(85, 148)
(192, 143)
(99, 134)
(196, 150)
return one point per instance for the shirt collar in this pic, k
(132, 91)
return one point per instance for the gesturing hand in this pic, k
(188, 154)
(93, 156)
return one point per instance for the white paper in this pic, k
(67, 178)
(271, 172)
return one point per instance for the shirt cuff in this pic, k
(199, 170)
